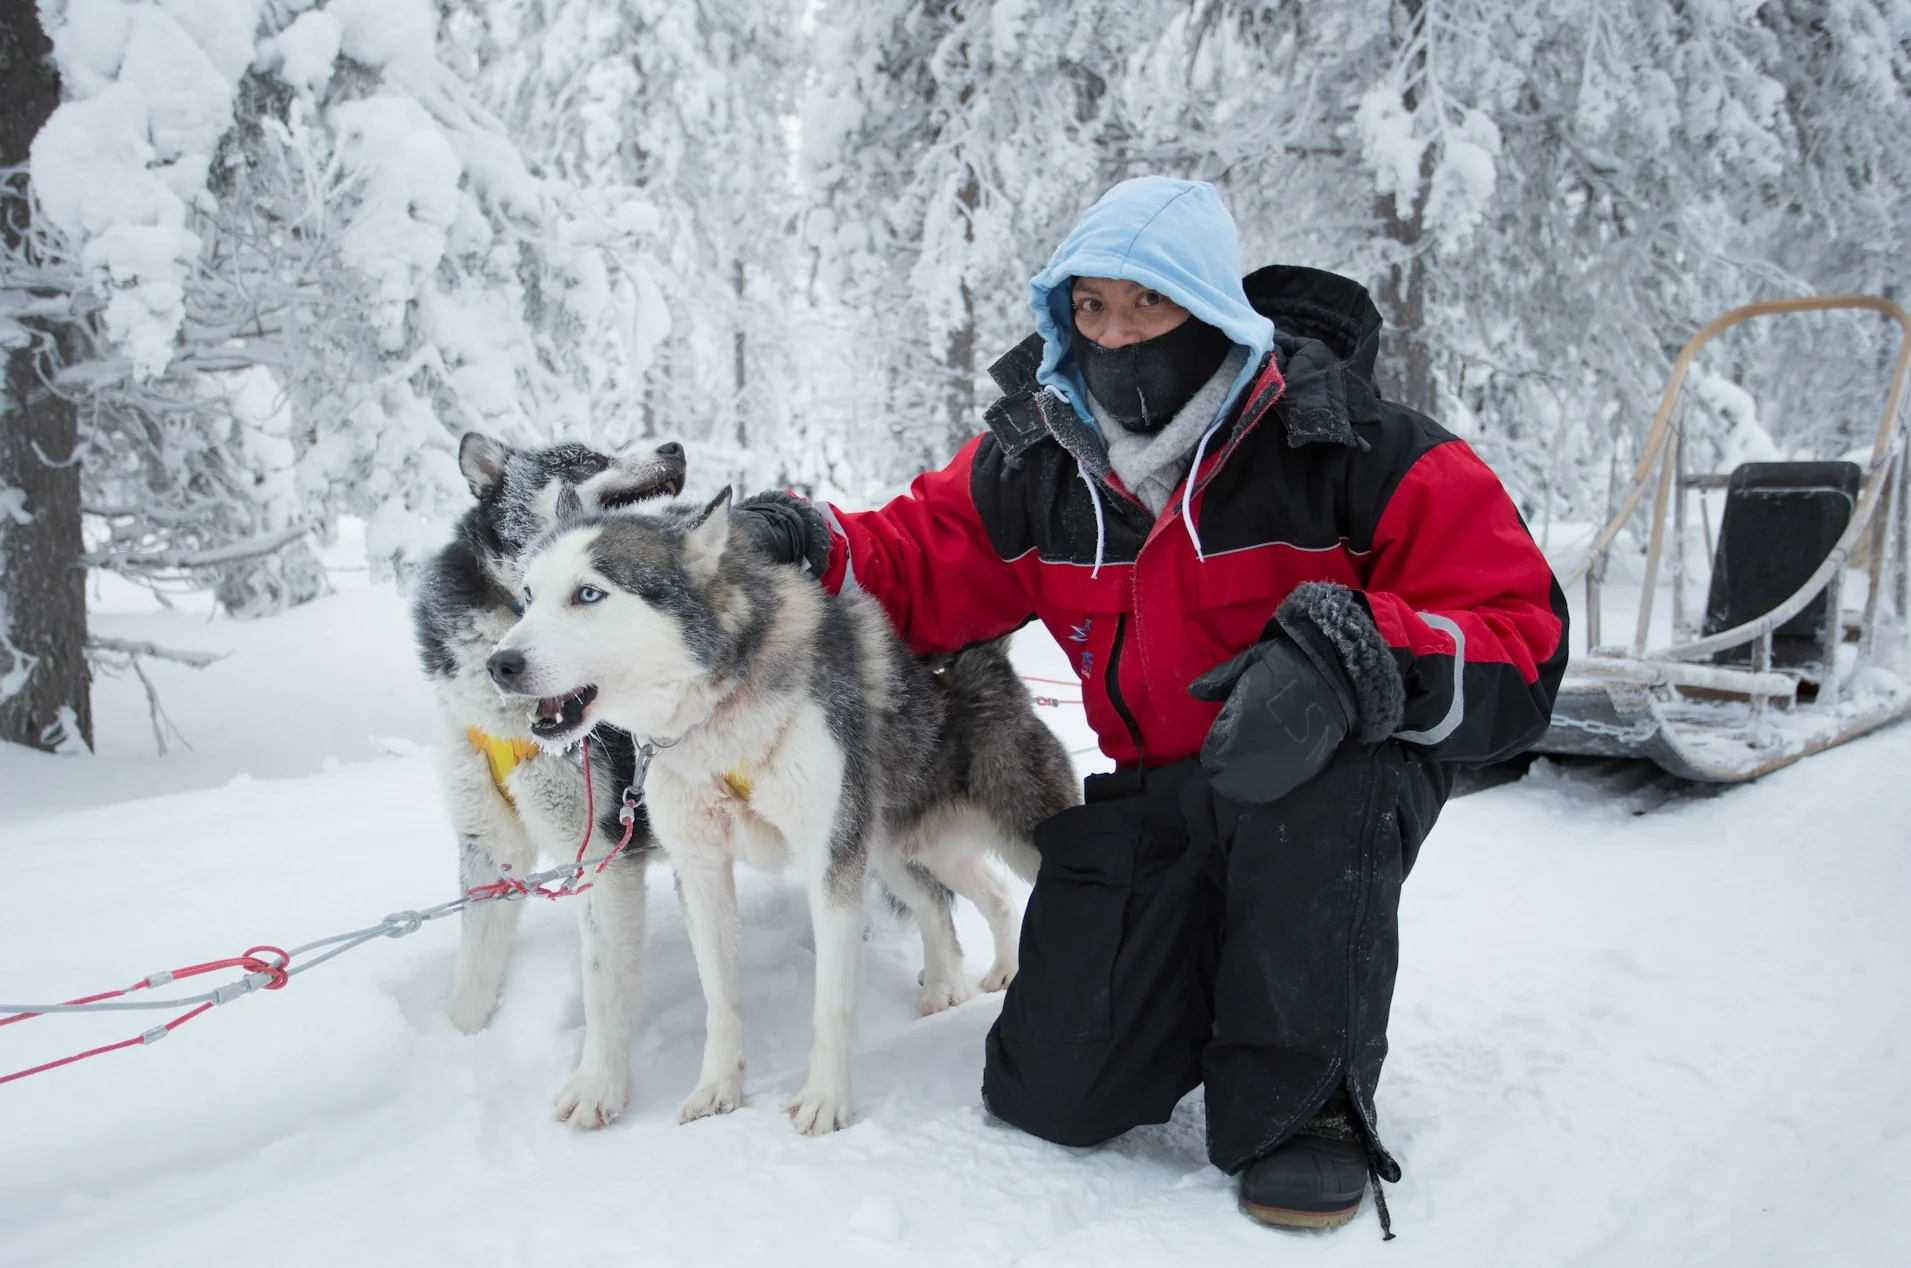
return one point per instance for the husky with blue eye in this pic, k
(509, 799)
(791, 726)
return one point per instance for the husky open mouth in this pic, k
(617, 498)
(558, 716)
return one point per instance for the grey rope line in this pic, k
(397, 925)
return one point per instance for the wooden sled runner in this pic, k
(1778, 668)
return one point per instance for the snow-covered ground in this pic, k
(1635, 1025)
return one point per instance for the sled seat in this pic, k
(1781, 520)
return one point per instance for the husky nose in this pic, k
(670, 450)
(506, 667)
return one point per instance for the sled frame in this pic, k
(1716, 723)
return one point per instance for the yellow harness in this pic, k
(502, 756)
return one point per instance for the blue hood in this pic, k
(1173, 236)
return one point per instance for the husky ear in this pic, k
(703, 545)
(482, 459)
(570, 508)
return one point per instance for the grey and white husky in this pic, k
(511, 801)
(798, 728)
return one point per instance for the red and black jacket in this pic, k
(1313, 478)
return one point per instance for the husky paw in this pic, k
(998, 977)
(719, 1096)
(471, 1010)
(936, 996)
(593, 1098)
(819, 1110)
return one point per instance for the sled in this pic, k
(1778, 667)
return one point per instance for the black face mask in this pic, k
(1144, 385)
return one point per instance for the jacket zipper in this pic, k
(1112, 680)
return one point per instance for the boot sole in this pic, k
(1281, 1217)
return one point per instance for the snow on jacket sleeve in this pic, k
(1470, 607)
(927, 559)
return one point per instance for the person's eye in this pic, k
(1148, 299)
(1087, 304)
(589, 594)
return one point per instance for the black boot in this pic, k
(1316, 1179)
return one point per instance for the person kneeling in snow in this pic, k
(1293, 606)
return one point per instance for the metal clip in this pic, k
(244, 986)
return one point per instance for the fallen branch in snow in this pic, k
(102, 652)
(163, 559)
(138, 647)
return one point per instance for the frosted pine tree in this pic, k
(947, 150)
(1545, 199)
(690, 104)
(313, 260)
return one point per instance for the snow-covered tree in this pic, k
(280, 258)
(1546, 199)
(313, 260)
(688, 103)
(947, 149)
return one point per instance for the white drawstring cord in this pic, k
(1101, 526)
(1187, 490)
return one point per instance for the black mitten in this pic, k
(1324, 675)
(1285, 716)
(787, 528)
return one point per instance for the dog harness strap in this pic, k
(502, 756)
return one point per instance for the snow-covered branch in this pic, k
(116, 655)
(212, 557)
(153, 651)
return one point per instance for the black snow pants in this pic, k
(1176, 938)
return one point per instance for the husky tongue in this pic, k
(558, 714)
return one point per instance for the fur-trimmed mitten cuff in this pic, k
(1333, 624)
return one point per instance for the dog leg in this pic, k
(611, 930)
(967, 873)
(836, 917)
(942, 983)
(486, 929)
(706, 886)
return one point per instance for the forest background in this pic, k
(266, 260)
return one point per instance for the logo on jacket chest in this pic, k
(1078, 634)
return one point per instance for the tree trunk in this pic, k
(43, 592)
(741, 359)
(959, 357)
(1406, 361)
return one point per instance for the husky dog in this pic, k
(793, 725)
(511, 801)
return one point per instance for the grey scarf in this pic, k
(1151, 466)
